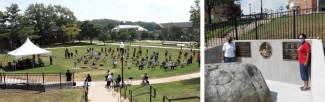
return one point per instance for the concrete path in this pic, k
(285, 92)
(169, 79)
(98, 92)
(184, 48)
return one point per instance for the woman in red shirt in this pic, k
(303, 59)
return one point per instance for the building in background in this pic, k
(129, 28)
(315, 5)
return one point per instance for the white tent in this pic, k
(27, 49)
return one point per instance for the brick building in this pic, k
(317, 5)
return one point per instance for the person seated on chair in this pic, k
(40, 62)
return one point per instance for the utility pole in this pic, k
(250, 8)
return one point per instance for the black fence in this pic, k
(169, 99)
(150, 91)
(35, 81)
(280, 25)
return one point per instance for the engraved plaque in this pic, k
(243, 49)
(290, 50)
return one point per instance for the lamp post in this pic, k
(129, 45)
(122, 50)
(250, 8)
(182, 43)
(261, 8)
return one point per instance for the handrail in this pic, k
(180, 98)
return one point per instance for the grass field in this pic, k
(60, 64)
(282, 27)
(178, 89)
(62, 95)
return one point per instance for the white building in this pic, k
(128, 28)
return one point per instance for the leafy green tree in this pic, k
(89, 30)
(109, 27)
(209, 5)
(133, 35)
(27, 30)
(195, 14)
(42, 20)
(124, 36)
(104, 37)
(4, 34)
(12, 24)
(48, 21)
(63, 16)
(71, 30)
(175, 33)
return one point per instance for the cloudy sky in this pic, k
(160, 11)
(256, 5)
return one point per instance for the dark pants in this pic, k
(229, 59)
(108, 83)
(304, 72)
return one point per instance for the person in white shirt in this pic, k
(109, 80)
(228, 51)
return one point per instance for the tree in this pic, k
(62, 17)
(209, 5)
(48, 21)
(109, 27)
(41, 18)
(104, 37)
(175, 33)
(27, 30)
(72, 30)
(12, 24)
(89, 30)
(123, 36)
(3, 32)
(195, 14)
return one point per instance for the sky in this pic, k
(160, 11)
(256, 5)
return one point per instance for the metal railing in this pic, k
(152, 93)
(34, 81)
(169, 99)
(280, 25)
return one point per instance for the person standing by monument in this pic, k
(303, 60)
(228, 51)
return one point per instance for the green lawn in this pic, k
(185, 88)
(61, 64)
(61, 95)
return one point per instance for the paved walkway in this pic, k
(184, 48)
(285, 92)
(98, 92)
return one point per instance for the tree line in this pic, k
(48, 24)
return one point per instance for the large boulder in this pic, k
(235, 82)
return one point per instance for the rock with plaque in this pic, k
(290, 50)
(243, 49)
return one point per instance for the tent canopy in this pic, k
(27, 49)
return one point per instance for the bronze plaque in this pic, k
(243, 49)
(290, 50)
(266, 50)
